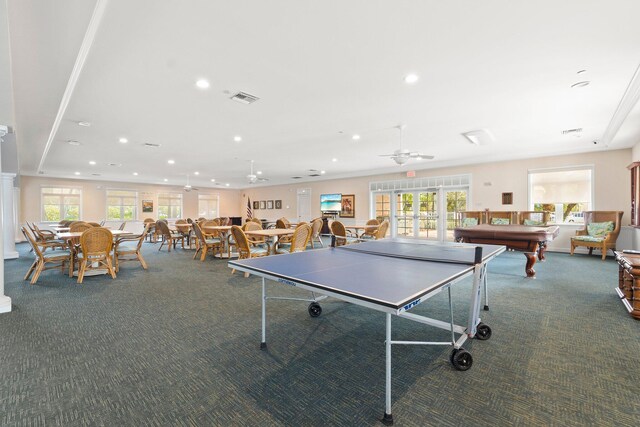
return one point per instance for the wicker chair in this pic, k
(257, 221)
(604, 241)
(245, 250)
(340, 233)
(57, 258)
(299, 240)
(96, 245)
(94, 224)
(502, 217)
(152, 228)
(370, 232)
(316, 226)
(471, 218)
(124, 249)
(381, 232)
(284, 223)
(204, 243)
(185, 230)
(539, 218)
(168, 237)
(45, 238)
(122, 226)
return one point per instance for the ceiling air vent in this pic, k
(244, 98)
(296, 177)
(96, 174)
(151, 145)
(315, 174)
(570, 131)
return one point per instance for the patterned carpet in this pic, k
(178, 345)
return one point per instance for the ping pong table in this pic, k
(393, 276)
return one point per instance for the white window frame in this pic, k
(172, 195)
(135, 206)
(590, 167)
(210, 197)
(64, 187)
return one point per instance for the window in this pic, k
(169, 206)
(121, 205)
(59, 203)
(565, 192)
(208, 205)
(383, 206)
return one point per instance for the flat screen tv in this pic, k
(330, 202)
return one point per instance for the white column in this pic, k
(5, 301)
(8, 222)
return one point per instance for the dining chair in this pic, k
(246, 250)
(57, 258)
(96, 246)
(185, 230)
(340, 233)
(128, 246)
(46, 238)
(370, 232)
(94, 224)
(204, 243)
(122, 226)
(152, 229)
(102, 223)
(299, 240)
(381, 233)
(169, 237)
(316, 226)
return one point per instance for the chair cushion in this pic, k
(212, 241)
(126, 247)
(599, 229)
(469, 222)
(56, 254)
(532, 222)
(500, 221)
(588, 239)
(257, 250)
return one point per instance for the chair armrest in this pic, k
(581, 232)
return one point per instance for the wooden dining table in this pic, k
(68, 236)
(360, 227)
(273, 234)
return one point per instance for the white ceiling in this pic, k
(323, 71)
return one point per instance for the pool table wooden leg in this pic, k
(531, 260)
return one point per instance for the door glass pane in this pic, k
(428, 215)
(456, 203)
(404, 214)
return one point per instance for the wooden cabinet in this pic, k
(629, 282)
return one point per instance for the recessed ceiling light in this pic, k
(259, 172)
(581, 84)
(73, 142)
(227, 184)
(171, 162)
(213, 180)
(85, 124)
(411, 78)
(334, 160)
(135, 174)
(196, 173)
(203, 84)
(165, 180)
(123, 140)
(355, 137)
(322, 172)
(76, 173)
(91, 162)
(237, 138)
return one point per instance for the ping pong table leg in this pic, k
(486, 288)
(388, 418)
(474, 312)
(263, 343)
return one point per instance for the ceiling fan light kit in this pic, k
(402, 155)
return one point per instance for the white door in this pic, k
(304, 204)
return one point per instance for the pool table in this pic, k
(532, 240)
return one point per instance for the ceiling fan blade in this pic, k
(388, 155)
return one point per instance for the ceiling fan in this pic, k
(402, 155)
(253, 178)
(188, 187)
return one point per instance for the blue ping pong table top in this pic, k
(391, 281)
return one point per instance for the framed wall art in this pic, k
(147, 206)
(256, 204)
(348, 206)
(278, 204)
(269, 204)
(263, 204)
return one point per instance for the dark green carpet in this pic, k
(178, 345)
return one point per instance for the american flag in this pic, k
(249, 211)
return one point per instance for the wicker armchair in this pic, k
(125, 249)
(598, 237)
(122, 226)
(381, 233)
(45, 238)
(316, 226)
(151, 224)
(168, 237)
(57, 258)
(94, 224)
(370, 232)
(96, 244)
(184, 229)
(204, 243)
(245, 250)
(340, 233)
(502, 217)
(535, 218)
(299, 240)
(471, 218)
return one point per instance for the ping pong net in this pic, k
(453, 253)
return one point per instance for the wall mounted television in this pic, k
(331, 202)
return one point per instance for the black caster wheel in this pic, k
(314, 309)
(483, 332)
(453, 354)
(461, 359)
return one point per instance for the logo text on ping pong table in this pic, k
(411, 304)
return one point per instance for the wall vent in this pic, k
(315, 174)
(244, 98)
(296, 177)
(96, 174)
(151, 145)
(570, 131)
